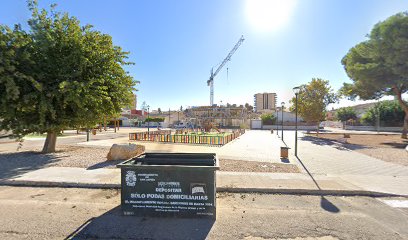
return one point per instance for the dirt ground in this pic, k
(252, 166)
(95, 157)
(389, 148)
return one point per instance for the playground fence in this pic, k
(166, 136)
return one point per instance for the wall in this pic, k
(371, 128)
(256, 124)
(274, 127)
(287, 117)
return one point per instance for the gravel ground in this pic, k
(389, 148)
(15, 163)
(251, 166)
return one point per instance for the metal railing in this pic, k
(166, 136)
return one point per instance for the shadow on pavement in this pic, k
(284, 160)
(18, 163)
(335, 144)
(328, 206)
(111, 164)
(324, 202)
(113, 225)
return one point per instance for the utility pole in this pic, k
(169, 116)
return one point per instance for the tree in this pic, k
(181, 108)
(159, 111)
(346, 113)
(249, 107)
(379, 65)
(313, 99)
(268, 118)
(59, 74)
(389, 112)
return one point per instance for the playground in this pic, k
(188, 136)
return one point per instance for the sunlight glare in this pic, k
(269, 15)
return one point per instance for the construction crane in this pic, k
(210, 82)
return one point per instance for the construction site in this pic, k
(205, 118)
(218, 116)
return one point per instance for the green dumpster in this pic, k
(169, 185)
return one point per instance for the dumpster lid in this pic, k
(173, 159)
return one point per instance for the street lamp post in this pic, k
(296, 90)
(148, 122)
(277, 122)
(283, 105)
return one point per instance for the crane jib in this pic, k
(210, 82)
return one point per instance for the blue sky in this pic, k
(175, 43)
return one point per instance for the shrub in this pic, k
(268, 119)
(390, 112)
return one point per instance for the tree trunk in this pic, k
(318, 125)
(114, 124)
(118, 125)
(404, 106)
(104, 124)
(50, 142)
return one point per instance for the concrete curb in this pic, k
(288, 191)
(25, 183)
(315, 192)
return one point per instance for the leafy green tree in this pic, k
(379, 65)
(59, 74)
(389, 112)
(313, 99)
(268, 119)
(346, 113)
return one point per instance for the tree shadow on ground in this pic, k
(106, 164)
(15, 164)
(114, 225)
(402, 145)
(336, 144)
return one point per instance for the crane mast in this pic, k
(210, 82)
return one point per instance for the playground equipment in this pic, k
(208, 125)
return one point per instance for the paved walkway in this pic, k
(321, 158)
(255, 145)
(331, 167)
(294, 183)
(259, 146)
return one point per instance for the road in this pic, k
(57, 213)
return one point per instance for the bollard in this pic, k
(284, 152)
